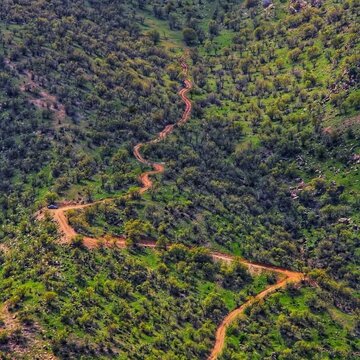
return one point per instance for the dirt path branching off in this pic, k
(68, 232)
(284, 277)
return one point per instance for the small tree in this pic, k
(190, 36)
(51, 197)
(78, 241)
(4, 337)
(251, 3)
(50, 298)
(154, 35)
(135, 230)
(161, 243)
(213, 28)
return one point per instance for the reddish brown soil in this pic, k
(343, 126)
(285, 276)
(20, 336)
(350, 122)
(159, 168)
(4, 248)
(39, 97)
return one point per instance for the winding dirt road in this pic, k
(68, 233)
(285, 277)
(159, 168)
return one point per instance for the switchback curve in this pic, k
(68, 232)
(159, 168)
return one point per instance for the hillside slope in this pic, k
(266, 167)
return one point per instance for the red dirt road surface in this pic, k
(286, 277)
(59, 215)
(159, 168)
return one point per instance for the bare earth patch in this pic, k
(22, 341)
(40, 97)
